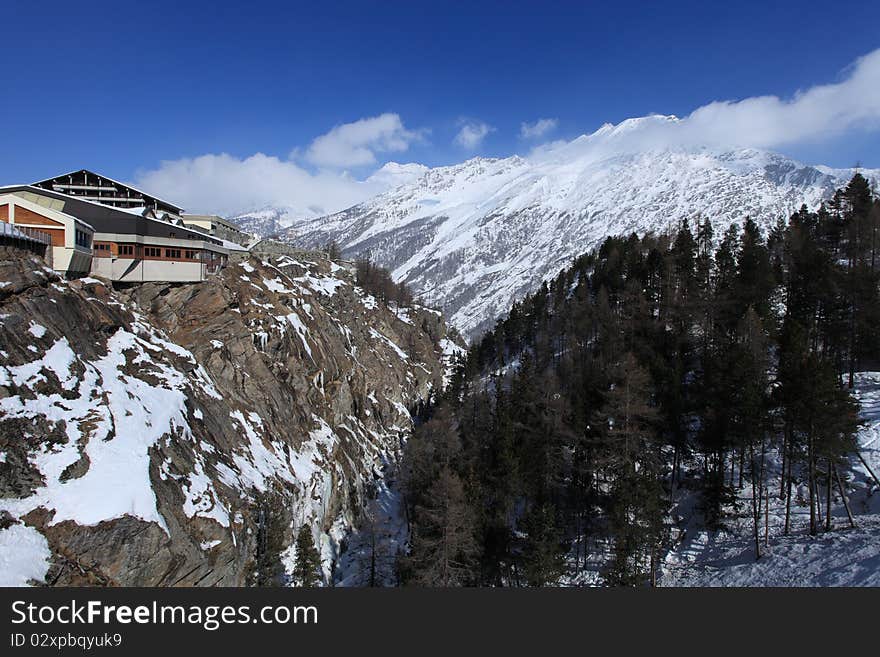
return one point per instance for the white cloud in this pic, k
(356, 144)
(472, 133)
(225, 185)
(537, 129)
(813, 115)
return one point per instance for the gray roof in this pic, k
(106, 219)
(154, 200)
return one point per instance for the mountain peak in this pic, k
(473, 237)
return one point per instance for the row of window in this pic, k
(82, 238)
(104, 249)
(156, 252)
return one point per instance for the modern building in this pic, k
(28, 211)
(218, 227)
(124, 245)
(90, 186)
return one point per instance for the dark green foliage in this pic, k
(271, 527)
(307, 563)
(652, 364)
(543, 550)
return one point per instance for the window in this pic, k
(152, 252)
(82, 238)
(126, 249)
(192, 255)
(102, 247)
(172, 253)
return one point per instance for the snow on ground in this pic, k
(24, 555)
(843, 557)
(384, 532)
(451, 355)
(116, 417)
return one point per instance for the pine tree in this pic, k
(637, 500)
(443, 544)
(563, 433)
(307, 562)
(543, 554)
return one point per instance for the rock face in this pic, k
(181, 434)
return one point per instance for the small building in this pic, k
(29, 213)
(126, 245)
(218, 227)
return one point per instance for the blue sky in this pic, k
(122, 87)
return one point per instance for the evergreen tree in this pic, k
(307, 562)
(443, 543)
(651, 364)
(543, 554)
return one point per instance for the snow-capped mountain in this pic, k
(272, 219)
(473, 237)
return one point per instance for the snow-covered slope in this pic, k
(844, 557)
(473, 237)
(272, 219)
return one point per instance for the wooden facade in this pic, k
(135, 251)
(69, 239)
(129, 246)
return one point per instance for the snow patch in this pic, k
(24, 555)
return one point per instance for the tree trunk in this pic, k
(828, 495)
(852, 522)
(812, 484)
(756, 504)
(732, 467)
(742, 462)
(674, 474)
(372, 554)
(788, 483)
(784, 460)
(868, 468)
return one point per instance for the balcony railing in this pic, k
(28, 238)
(18, 231)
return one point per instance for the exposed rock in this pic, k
(157, 435)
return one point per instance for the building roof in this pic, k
(107, 219)
(133, 193)
(11, 189)
(212, 217)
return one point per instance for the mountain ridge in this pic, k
(473, 237)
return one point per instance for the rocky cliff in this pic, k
(181, 434)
